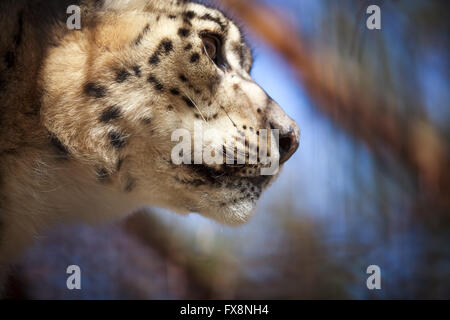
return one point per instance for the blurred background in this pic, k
(370, 183)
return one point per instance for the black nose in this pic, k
(288, 145)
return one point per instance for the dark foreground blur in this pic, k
(370, 184)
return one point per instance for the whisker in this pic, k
(195, 107)
(234, 124)
(206, 52)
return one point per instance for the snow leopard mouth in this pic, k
(241, 178)
(224, 193)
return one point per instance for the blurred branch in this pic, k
(368, 115)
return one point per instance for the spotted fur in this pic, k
(87, 115)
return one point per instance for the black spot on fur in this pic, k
(94, 90)
(207, 16)
(157, 85)
(175, 91)
(188, 47)
(169, 107)
(183, 78)
(138, 40)
(141, 35)
(122, 75)
(110, 114)
(172, 16)
(165, 46)
(118, 141)
(195, 57)
(188, 102)
(189, 14)
(154, 59)
(137, 71)
(183, 32)
(58, 145)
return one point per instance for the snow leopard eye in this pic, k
(212, 46)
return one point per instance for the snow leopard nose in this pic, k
(288, 141)
(288, 145)
(289, 133)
